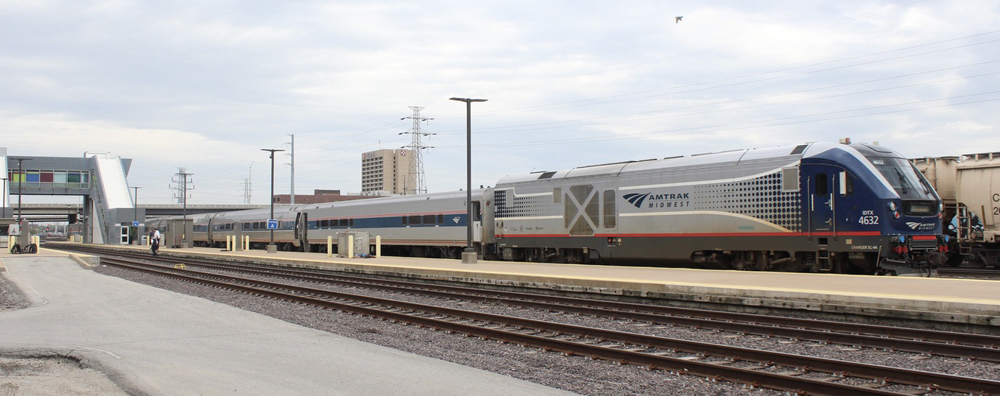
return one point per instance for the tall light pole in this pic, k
(135, 210)
(469, 255)
(270, 247)
(292, 191)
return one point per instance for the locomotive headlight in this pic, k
(892, 207)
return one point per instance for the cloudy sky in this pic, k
(205, 85)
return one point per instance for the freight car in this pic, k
(817, 207)
(969, 186)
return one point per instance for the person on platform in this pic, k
(154, 241)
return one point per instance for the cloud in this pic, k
(207, 85)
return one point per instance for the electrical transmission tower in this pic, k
(181, 180)
(247, 188)
(182, 183)
(416, 176)
(248, 185)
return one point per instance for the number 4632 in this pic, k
(868, 220)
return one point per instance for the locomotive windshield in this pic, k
(904, 178)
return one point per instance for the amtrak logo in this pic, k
(657, 201)
(920, 226)
(455, 219)
(635, 198)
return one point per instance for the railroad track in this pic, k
(925, 342)
(753, 367)
(959, 272)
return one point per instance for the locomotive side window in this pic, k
(822, 187)
(414, 220)
(846, 184)
(429, 219)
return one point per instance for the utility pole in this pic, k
(183, 178)
(292, 154)
(135, 211)
(416, 174)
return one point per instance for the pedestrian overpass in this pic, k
(108, 209)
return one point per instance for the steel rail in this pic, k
(902, 339)
(971, 272)
(911, 377)
(961, 345)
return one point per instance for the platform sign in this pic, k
(272, 224)
(135, 223)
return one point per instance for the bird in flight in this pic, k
(678, 18)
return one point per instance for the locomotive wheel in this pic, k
(977, 261)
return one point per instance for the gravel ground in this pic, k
(10, 296)
(910, 361)
(52, 375)
(58, 375)
(575, 374)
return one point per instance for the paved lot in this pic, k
(153, 341)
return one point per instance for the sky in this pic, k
(205, 85)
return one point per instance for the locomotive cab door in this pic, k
(301, 227)
(820, 199)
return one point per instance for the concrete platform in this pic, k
(153, 341)
(960, 301)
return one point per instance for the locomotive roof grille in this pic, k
(721, 158)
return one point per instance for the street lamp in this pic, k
(135, 210)
(469, 255)
(271, 248)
